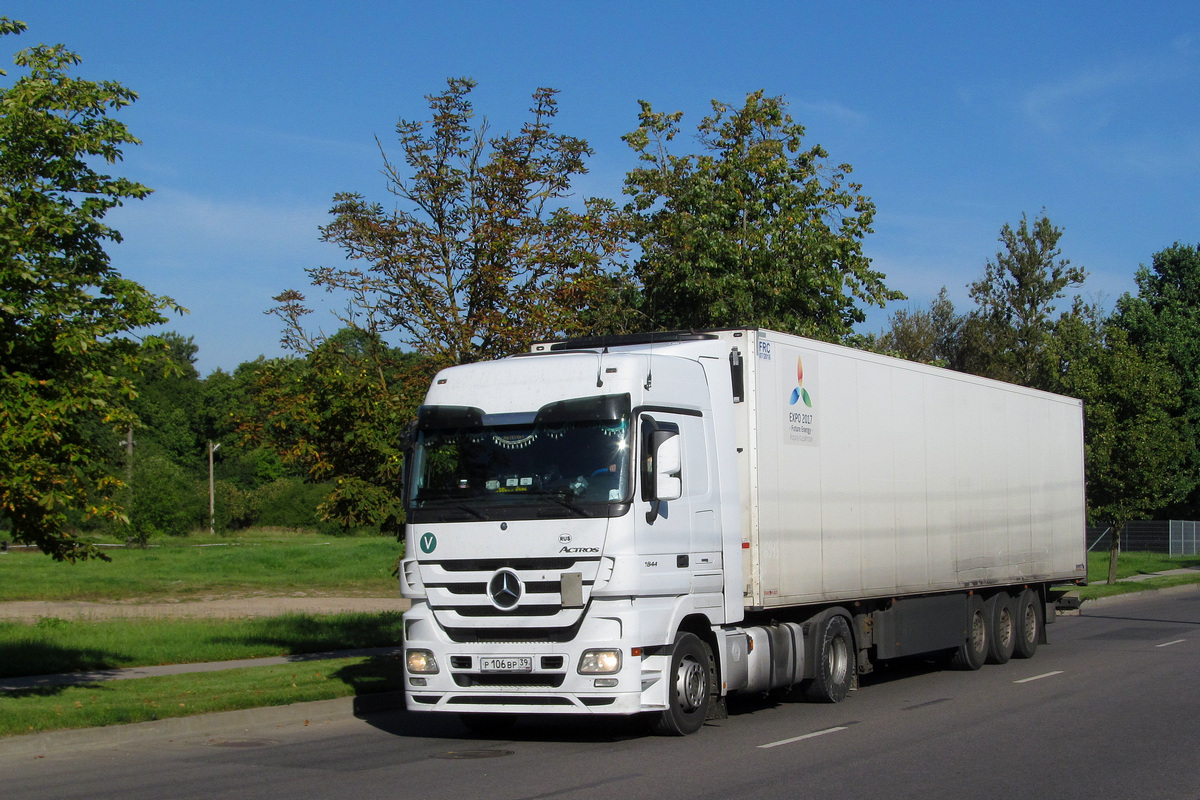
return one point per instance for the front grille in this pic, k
(512, 635)
(547, 680)
(519, 564)
(519, 611)
(506, 700)
(459, 592)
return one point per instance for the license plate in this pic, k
(509, 664)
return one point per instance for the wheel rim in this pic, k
(1004, 631)
(690, 684)
(837, 660)
(1030, 627)
(978, 632)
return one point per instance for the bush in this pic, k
(292, 503)
(166, 500)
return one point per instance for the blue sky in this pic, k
(957, 118)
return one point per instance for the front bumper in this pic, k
(552, 683)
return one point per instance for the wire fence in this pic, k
(1174, 537)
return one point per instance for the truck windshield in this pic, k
(571, 458)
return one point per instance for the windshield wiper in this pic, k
(466, 509)
(560, 497)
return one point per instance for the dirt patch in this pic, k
(214, 607)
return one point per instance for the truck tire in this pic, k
(833, 660)
(1002, 637)
(973, 652)
(1028, 619)
(688, 693)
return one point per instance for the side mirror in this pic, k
(667, 464)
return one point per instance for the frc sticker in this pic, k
(428, 543)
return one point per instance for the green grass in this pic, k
(1135, 563)
(53, 645)
(270, 562)
(144, 699)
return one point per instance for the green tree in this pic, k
(1165, 314)
(483, 254)
(339, 415)
(168, 401)
(1135, 436)
(1007, 335)
(931, 336)
(64, 310)
(759, 229)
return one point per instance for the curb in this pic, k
(220, 724)
(1128, 596)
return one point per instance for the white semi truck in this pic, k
(647, 524)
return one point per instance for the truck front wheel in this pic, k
(833, 661)
(688, 693)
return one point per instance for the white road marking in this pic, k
(1039, 677)
(813, 735)
(1168, 644)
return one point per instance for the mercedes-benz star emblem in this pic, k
(505, 589)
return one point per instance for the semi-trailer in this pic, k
(648, 524)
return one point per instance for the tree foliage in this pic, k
(1136, 439)
(931, 336)
(758, 229)
(339, 415)
(484, 252)
(1007, 334)
(64, 310)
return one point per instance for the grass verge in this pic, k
(1130, 564)
(53, 645)
(196, 566)
(145, 699)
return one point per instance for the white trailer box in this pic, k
(866, 476)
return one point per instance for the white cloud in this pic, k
(1095, 96)
(831, 110)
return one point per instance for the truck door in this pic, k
(680, 536)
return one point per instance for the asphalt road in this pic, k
(1111, 709)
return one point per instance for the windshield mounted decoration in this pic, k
(570, 458)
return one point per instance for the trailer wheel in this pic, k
(833, 661)
(1028, 619)
(688, 694)
(971, 654)
(1002, 637)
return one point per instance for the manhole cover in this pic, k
(244, 743)
(463, 754)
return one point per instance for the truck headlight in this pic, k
(600, 662)
(421, 662)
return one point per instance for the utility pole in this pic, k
(129, 477)
(212, 448)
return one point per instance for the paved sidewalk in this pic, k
(1145, 576)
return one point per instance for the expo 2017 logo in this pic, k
(800, 393)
